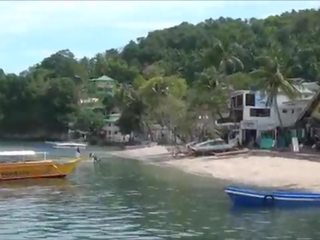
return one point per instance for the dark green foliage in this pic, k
(131, 117)
(109, 102)
(26, 107)
(89, 121)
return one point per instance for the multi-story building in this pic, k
(112, 131)
(250, 114)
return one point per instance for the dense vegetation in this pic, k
(172, 76)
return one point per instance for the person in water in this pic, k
(93, 157)
(78, 152)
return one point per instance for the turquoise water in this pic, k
(125, 199)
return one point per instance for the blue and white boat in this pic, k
(255, 198)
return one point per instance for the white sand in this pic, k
(143, 153)
(265, 171)
(257, 170)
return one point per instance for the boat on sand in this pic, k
(24, 164)
(211, 146)
(280, 198)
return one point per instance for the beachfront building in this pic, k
(112, 131)
(161, 134)
(253, 119)
(309, 120)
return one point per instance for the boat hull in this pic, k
(252, 198)
(36, 169)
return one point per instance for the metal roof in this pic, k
(103, 78)
(112, 118)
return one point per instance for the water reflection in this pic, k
(125, 199)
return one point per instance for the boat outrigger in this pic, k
(253, 198)
(24, 164)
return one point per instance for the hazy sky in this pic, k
(30, 31)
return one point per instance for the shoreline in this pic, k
(255, 168)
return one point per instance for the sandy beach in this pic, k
(266, 170)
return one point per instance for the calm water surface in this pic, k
(125, 199)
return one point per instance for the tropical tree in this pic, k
(229, 63)
(132, 107)
(208, 79)
(89, 120)
(163, 97)
(272, 82)
(109, 102)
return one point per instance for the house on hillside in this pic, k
(253, 119)
(104, 83)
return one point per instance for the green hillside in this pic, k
(186, 69)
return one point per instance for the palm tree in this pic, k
(272, 81)
(208, 79)
(229, 63)
(132, 106)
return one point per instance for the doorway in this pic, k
(250, 137)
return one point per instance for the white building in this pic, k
(112, 131)
(250, 115)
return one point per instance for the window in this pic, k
(109, 124)
(233, 101)
(219, 142)
(284, 110)
(236, 115)
(250, 100)
(239, 100)
(115, 132)
(260, 112)
(109, 132)
(292, 111)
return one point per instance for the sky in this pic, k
(33, 30)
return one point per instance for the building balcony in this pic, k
(227, 121)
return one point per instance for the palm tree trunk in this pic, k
(278, 111)
(275, 102)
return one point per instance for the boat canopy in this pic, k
(71, 144)
(17, 153)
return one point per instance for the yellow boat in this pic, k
(23, 165)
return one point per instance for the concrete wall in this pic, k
(113, 133)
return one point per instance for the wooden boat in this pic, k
(280, 198)
(211, 146)
(23, 164)
(67, 145)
